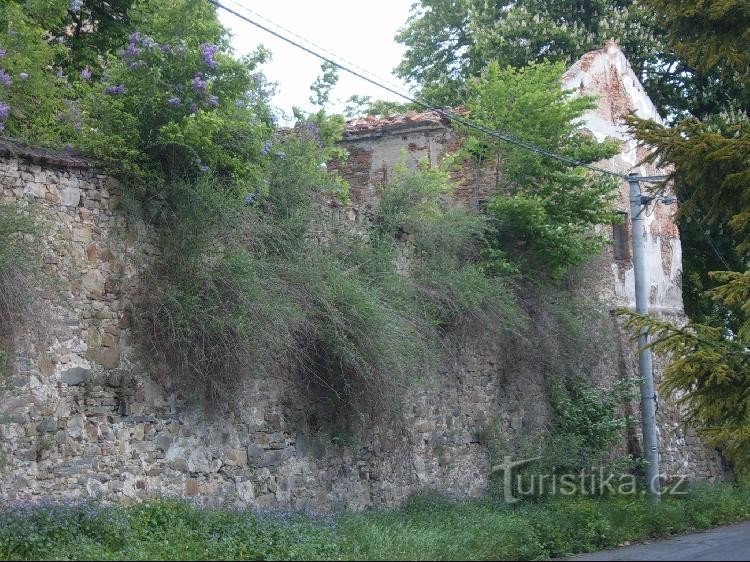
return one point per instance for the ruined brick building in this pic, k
(82, 417)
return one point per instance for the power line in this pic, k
(318, 47)
(449, 115)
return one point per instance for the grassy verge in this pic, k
(424, 528)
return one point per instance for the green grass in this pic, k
(424, 528)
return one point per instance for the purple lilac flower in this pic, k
(208, 50)
(148, 42)
(131, 51)
(199, 84)
(86, 74)
(174, 101)
(135, 37)
(266, 148)
(213, 101)
(5, 78)
(75, 6)
(115, 90)
(24, 76)
(167, 49)
(3, 52)
(4, 110)
(193, 107)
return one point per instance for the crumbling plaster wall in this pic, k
(607, 75)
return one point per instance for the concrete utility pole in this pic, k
(648, 395)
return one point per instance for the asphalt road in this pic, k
(724, 543)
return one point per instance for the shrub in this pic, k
(582, 437)
(357, 313)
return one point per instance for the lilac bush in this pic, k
(197, 80)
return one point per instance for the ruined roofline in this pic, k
(373, 126)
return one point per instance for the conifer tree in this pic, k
(711, 160)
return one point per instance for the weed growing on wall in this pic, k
(584, 436)
(17, 274)
(272, 285)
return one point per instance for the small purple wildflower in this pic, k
(167, 49)
(115, 90)
(3, 52)
(209, 50)
(4, 110)
(23, 76)
(5, 78)
(199, 84)
(135, 37)
(213, 101)
(174, 101)
(281, 154)
(76, 5)
(193, 108)
(149, 43)
(86, 74)
(266, 148)
(131, 51)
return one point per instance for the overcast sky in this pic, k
(358, 31)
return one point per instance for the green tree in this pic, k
(448, 41)
(27, 61)
(174, 103)
(711, 162)
(321, 88)
(543, 210)
(710, 369)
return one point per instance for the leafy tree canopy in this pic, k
(448, 41)
(543, 210)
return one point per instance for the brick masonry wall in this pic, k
(81, 416)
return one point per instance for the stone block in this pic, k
(236, 457)
(76, 376)
(70, 196)
(47, 425)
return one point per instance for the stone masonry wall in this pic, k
(81, 416)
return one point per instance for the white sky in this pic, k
(358, 31)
